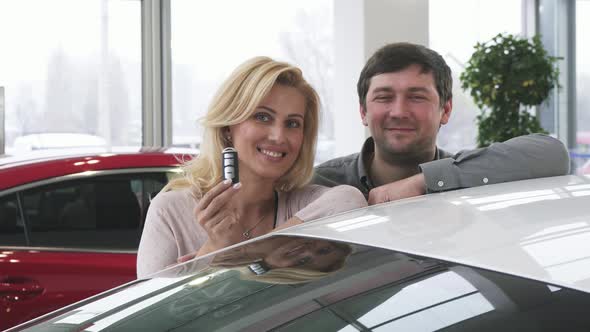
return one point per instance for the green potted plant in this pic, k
(504, 75)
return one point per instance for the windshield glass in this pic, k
(300, 284)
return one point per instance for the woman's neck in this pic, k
(256, 196)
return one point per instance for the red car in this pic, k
(70, 224)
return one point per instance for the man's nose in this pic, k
(397, 109)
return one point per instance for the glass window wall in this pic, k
(71, 72)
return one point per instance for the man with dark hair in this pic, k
(405, 96)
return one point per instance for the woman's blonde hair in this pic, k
(235, 101)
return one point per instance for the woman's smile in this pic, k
(273, 154)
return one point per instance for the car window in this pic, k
(437, 301)
(101, 212)
(11, 226)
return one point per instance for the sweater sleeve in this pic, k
(157, 248)
(319, 201)
(519, 158)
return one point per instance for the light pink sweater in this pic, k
(171, 229)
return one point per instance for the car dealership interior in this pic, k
(102, 101)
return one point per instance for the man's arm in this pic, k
(408, 187)
(519, 158)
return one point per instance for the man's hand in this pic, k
(408, 187)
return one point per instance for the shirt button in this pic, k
(485, 180)
(440, 183)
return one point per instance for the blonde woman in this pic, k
(269, 114)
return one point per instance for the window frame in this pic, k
(156, 73)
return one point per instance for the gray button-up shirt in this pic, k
(520, 158)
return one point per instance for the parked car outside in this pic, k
(43, 141)
(503, 257)
(70, 223)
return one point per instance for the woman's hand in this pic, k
(214, 214)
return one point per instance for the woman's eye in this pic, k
(325, 250)
(262, 117)
(293, 124)
(303, 261)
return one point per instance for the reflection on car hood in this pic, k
(538, 229)
(375, 290)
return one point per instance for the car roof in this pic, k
(45, 164)
(537, 229)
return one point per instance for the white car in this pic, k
(504, 257)
(46, 141)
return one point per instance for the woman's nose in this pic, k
(276, 134)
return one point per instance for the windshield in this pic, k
(299, 284)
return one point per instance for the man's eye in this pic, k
(262, 117)
(418, 98)
(293, 124)
(382, 99)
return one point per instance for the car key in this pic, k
(229, 164)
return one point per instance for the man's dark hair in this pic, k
(395, 57)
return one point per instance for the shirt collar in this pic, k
(367, 152)
(441, 154)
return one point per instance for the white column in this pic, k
(390, 21)
(349, 58)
